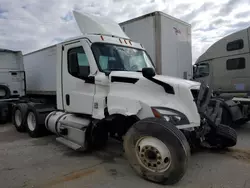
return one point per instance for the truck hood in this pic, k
(177, 81)
(173, 81)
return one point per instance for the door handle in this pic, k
(67, 99)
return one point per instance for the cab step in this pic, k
(69, 143)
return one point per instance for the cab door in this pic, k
(78, 85)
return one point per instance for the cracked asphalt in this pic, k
(44, 163)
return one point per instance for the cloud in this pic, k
(3, 13)
(229, 7)
(203, 8)
(68, 17)
(242, 14)
(242, 25)
(28, 25)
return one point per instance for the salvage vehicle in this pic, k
(103, 84)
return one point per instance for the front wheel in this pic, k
(18, 117)
(157, 150)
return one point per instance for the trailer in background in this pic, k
(40, 68)
(166, 39)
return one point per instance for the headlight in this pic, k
(170, 115)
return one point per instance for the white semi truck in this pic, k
(167, 41)
(103, 84)
(12, 80)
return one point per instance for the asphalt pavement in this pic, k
(26, 162)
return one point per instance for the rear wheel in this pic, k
(18, 117)
(157, 150)
(4, 112)
(34, 129)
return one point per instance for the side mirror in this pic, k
(148, 72)
(74, 67)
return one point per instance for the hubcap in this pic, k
(18, 118)
(31, 121)
(2, 93)
(153, 154)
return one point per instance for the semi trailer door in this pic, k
(78, 85)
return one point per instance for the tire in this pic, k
(19, 117)
(4, 112)
(6, 90)
(165, 140)
(223, 137)
(97, 137)
(35, 123)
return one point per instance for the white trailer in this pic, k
(102, 83)
(40, 68)
(166, 39)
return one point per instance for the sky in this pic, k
(29, 25)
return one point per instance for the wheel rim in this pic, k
(153, 154)
(18, 118)
(2, 93)
(31, 121)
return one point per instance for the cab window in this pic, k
(202, 70)
(78, 65)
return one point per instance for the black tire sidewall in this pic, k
(222, 137)
(7, 92)
(39, 128)
(23, 109)
(179, 153)
(4, 112)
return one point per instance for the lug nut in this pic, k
(166, 160)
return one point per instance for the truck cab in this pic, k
(225, 65)
(108, 68)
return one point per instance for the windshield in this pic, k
(110, 57)
(201, 70)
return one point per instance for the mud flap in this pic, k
(233, 109)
